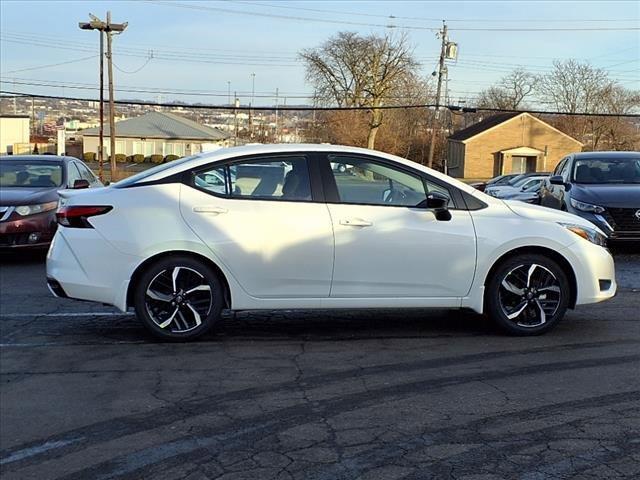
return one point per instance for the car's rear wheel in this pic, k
(527, 294)
(178, 298)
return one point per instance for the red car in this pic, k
(29, 187)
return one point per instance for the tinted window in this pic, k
(213, 180)
(30, 174)
(283, 178)
(360, 180)
(558, 168)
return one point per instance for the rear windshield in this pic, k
(30, 174)
(152, 171)
(607, 170)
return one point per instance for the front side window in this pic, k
(85, 174)
(284, 178)
(72, 174)
(362, 181)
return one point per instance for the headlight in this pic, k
(25, 210)
(586, 207)
(592, 235)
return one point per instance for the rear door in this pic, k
(385, 245)
(262, 217)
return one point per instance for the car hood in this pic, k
(536, 212)
(612, 195)
(14, 196)
(520, 195)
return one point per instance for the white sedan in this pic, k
(276, 227)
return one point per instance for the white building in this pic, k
(156, 133)
(14, 134)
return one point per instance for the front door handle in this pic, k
(355, 222)
(210, 209)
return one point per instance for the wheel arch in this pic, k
(159, 256)
(554, 255)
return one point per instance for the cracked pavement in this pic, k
(315, 395)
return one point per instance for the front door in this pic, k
(384, 246)
(258, 217)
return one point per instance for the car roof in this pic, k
(39, 158)
(608, 154)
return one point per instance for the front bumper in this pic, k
(33, 231)
(594, 271)
(606, 223)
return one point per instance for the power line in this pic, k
(456, 108)
(479, 20)
(406, 27)
(51, 65)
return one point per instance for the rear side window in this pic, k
(269, 178)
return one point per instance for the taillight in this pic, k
(76, 216)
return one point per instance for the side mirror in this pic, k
(556, 180)
(438, 202)
(79, 184)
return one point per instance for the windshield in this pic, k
(607, 170)
(515, 181)
(533, 186)
(30, 174)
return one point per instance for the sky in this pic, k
(210, 47)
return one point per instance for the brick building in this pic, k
(507, 143)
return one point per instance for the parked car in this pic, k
(602, 187)
(528, 194)
(499, 180)
(29, 187)
(392, 234)
(521, 184)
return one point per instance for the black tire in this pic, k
(197, 310)
(545, 299)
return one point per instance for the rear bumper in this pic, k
(92, 271)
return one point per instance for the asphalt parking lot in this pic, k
(87, 394)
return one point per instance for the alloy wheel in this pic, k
(529, 295)
(178, 299)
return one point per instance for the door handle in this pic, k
(355, 222)
(210, 209)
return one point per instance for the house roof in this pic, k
(483, 125)
(161, 125)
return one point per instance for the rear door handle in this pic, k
(355, 222)
(210, 209)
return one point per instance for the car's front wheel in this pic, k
(527, 294)
(178, 298)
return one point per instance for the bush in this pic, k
(156, 158)
(170, 158)
(121, 157)
(89, 156)
(137, 158)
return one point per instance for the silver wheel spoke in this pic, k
(543, 316)
(158, 296)
(168, 321)
(199, 288)
(174, 277)
(532, 269)
(519, 309)
(196, 315)
(510, 287)
(551, 288)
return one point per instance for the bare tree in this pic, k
(510, 92)
(361, 71)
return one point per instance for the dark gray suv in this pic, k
(603, 187)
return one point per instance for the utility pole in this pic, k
(253, 95)
(276, 130)
(229, 92)
(235, 118)
(443, 51)
(106, 28)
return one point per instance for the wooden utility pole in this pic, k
(443, 52)
(106, 28)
